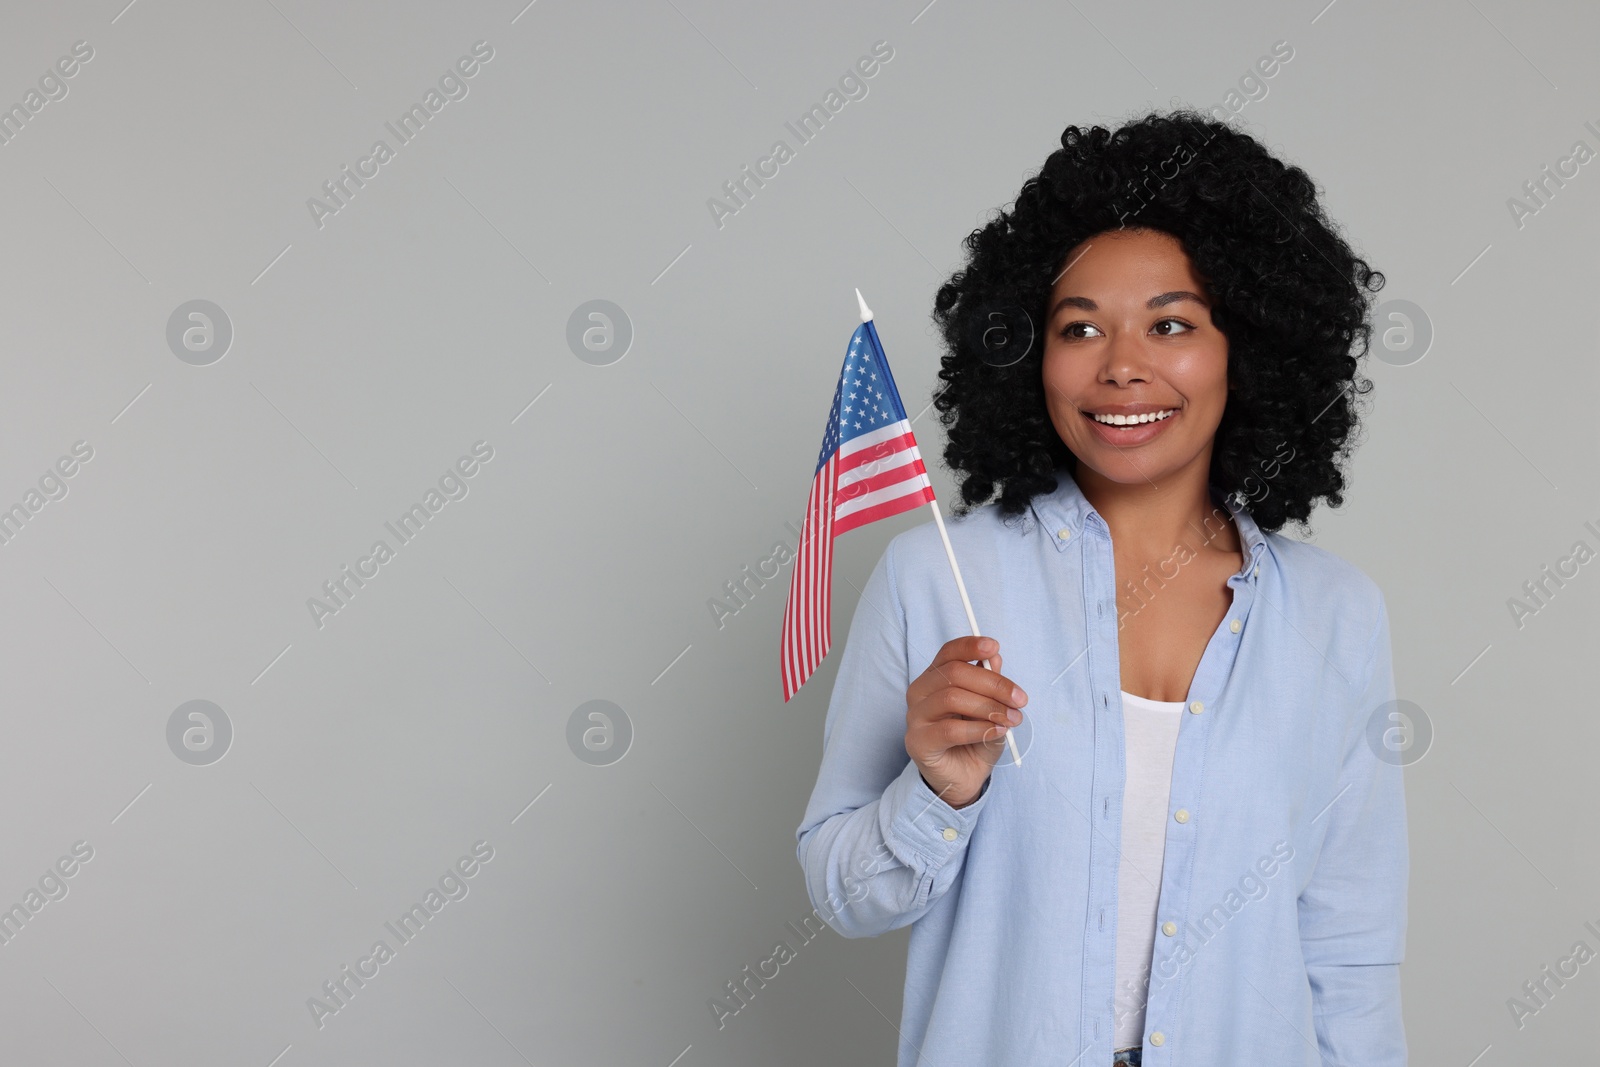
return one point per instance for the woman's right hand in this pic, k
(956, 718)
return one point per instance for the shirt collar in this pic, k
(1064, 512)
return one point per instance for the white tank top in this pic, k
(1150, 731)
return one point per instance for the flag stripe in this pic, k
(896, 506)
(867, 440)
(798, 579)
(882, 461)
(822, 606)
(878, 496)
(868, 486)
(807, 615)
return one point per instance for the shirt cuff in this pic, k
(916, 822)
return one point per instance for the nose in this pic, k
(1127, 359)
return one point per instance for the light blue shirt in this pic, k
(1282, 907)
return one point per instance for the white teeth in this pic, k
(1133, 420)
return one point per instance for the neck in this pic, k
(1151, 519)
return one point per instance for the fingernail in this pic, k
(1018, 697)
(1013, 716)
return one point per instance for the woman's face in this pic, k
(1129, 333)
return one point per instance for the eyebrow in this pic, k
(1154, 302)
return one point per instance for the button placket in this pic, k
(1216, 666)
(1099, 583)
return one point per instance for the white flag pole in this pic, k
(950, 554)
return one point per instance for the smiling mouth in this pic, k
(1131, 420)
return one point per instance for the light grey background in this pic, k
(370, 353)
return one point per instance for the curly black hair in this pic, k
(1289, 294)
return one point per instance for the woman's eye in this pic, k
(1077, 331)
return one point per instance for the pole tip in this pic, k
(866, 312)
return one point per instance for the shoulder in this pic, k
(979, 531)
(1339, 594)
(1317, 568)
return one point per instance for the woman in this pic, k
(1201, 859)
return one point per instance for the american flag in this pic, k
(869, 469)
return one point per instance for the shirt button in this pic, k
(1158, 1038)
(1197, 707)
(1169, 928)
(1257, 571)
(1063, 533)
(950, 833)
(1235, 626)
(1182, 815)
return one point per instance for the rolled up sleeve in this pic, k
(878, 847)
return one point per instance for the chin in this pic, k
(1131, 466)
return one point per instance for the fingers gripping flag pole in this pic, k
(869, 469)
